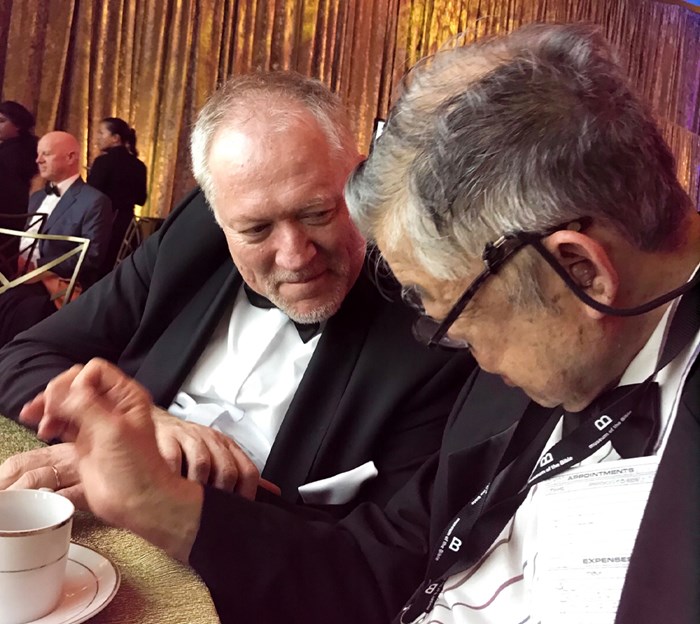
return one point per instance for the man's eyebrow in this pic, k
(245, 223)
(328, 201)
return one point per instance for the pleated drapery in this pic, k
(154, 62)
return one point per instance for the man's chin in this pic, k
(313, 308)
(547, 401)
(310, 311)
(310, 302)
(538, 397)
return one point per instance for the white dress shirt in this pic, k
(246, 377)
(47, 207)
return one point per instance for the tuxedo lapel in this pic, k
(662, 584)
(315, 403)
(178, 348)
(58, 213)
(64, 204)
(514, 427)
(475, 444)
(35, 201)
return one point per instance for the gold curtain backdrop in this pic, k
(154, 62)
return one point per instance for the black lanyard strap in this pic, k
(630, 409)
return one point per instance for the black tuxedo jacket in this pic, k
(81, 211)
(364, 568)
(122, 177)
(370, 392)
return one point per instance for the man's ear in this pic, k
(588, 264)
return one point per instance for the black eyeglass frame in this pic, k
(494, 256)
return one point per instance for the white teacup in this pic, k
(35, 531)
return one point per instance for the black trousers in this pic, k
(23, 307)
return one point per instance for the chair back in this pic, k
(132, 239)
(8, 281)
(10, 247)
(138, 231)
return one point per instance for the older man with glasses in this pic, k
(566, 488)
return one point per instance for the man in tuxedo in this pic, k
(567, 261)
(253, 318)
(73, 209)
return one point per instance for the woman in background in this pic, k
(120, 175)
(17, 168)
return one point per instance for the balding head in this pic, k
(274, 101)
(58, 156)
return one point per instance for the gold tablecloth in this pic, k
(155, 589)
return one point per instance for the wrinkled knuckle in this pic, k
(202, 464)
(29, 480)
(229, 477)
(249, 472)
(169, 454)
(221, 438)
(12, 466)
(140, 392)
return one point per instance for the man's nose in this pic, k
(295, 249)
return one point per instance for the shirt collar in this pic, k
(646, 359)
(64, 185)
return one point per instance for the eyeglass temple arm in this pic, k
(601, 307)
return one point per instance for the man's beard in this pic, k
(332, 300)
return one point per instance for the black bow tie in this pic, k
(306, 330)
(638, 434)
(52, 189)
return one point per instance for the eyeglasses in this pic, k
(432, 332)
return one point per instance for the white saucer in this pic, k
(92, 581)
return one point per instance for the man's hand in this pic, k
(210, 456)
(126, 481)
(54, 467)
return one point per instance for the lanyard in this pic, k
(463, 542)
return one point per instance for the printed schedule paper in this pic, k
(587, 522)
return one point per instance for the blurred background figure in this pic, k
(17, 167)
(120, 175)
(72, 208)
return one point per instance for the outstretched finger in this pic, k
(86, 395)
(43, 411)
(33, 411)
(59, 457)
(270, 487)
(45, 477)
(112, 388)
(170, 451)
(197, 456)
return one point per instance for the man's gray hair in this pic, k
(268, 94)
(523, 132)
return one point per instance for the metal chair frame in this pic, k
(29, 220)
(133, 238)
(80, 249)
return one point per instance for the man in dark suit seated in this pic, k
(329, 383)
(73, 209)
(529, 202)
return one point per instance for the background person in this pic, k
(73, 209)
(120, 175)
(17, 167)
